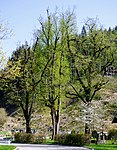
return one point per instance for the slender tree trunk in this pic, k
(87, 128)
(55, 122)
(88, 119)
(57, 117)
(57, 126)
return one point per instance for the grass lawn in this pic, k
(49, 141)
(103, 146)
(4, 132)
(7, 147)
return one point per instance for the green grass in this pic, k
(103, 146)
(7, 147)
(4, 132)
(49, 141)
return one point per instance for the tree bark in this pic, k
(28, 128)
(55, 123)
(88, 119)
(87, 128)
(27, 118)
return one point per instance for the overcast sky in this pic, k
(22, 16)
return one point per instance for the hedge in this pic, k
(72, 139)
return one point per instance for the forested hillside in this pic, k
(66, 80)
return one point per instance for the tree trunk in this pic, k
(28, 128)
(27, 118)
(56, 127)
(88, 119)
(55, 123)
(87, 128)
(57, 119)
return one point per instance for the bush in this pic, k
(39, 138)
(60, 139)
(71, 139)
(112, 134)
(22, 137)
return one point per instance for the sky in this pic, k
(22, 16)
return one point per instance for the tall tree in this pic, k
(53, 84)
(92, 54)
(23, 86)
